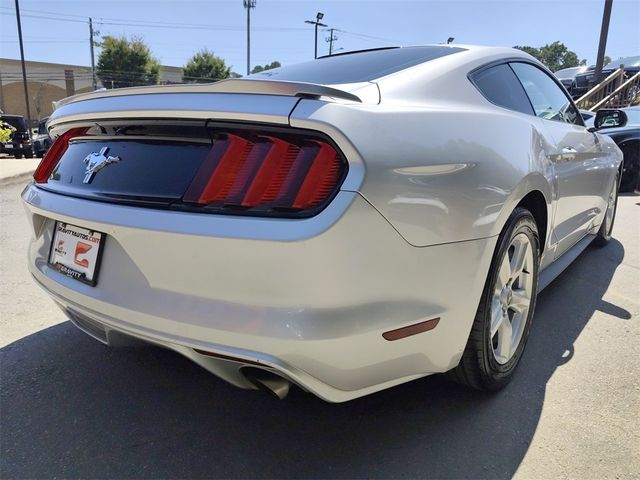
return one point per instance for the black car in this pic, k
(41, 140)
(568, 75)
(585, 81)
(625, 131)
(20, 144)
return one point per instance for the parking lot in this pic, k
(74, 408)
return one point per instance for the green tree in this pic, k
(555, 56)
(533, 51)
(205, 67)
(268, 66)
(126, 63)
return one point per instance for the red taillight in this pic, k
(54, 154)
(267, 173)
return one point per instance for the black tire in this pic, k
(604, 233)
(479, 367)
(17, 155)
(28, 154)
(630, 177)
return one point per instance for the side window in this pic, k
(548, 99)
(501, 86)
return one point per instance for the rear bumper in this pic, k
(309, 298)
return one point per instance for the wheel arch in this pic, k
(536, 204)
(533, 193)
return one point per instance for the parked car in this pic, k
(586, 81)
(345, 225)
(41, 140)
(626, 133)
(20, 143)
(568, 75)
(588, 117)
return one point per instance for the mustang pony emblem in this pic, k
(96, 162)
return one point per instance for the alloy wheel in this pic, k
(611, 209)
(511, 299)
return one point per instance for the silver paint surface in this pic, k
(434, 172)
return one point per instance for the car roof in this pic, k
(374, 64)
(626, 61)
(571, 70)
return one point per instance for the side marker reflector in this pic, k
(414, 329)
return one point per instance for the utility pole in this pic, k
(331, 38)
(249, 4)
(604, 32)
(24, 68)
(93, 61)
(317, 23)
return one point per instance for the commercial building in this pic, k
(48, 82)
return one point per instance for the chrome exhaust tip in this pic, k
(268, 381)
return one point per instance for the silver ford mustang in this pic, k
(344, 225)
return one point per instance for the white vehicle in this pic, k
(344, 225)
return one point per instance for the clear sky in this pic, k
(56, 31)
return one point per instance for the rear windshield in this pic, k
(359, 66)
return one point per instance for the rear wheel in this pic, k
(606, 227)
(28, 154)
(17, 155)
(503, 320)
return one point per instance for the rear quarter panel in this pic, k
(440, 173)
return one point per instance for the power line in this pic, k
(149, 24)
(48, 13)
(186, 26)
(372, 38)
(29, 15)
(43, 41)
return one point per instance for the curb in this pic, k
(17, 178)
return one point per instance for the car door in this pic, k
(578, 160)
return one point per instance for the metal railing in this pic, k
(602, 90)
(626, 94)
(615, 91)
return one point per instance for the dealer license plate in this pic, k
(76, 251)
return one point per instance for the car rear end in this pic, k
(199, 219)
(582, 84)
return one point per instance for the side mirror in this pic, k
(610, 118)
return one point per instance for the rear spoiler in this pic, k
(250, 86)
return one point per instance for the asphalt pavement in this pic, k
(73, 408)
(16, 170)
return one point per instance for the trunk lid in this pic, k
(163, 139)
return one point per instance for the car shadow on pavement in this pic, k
(73, 408)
